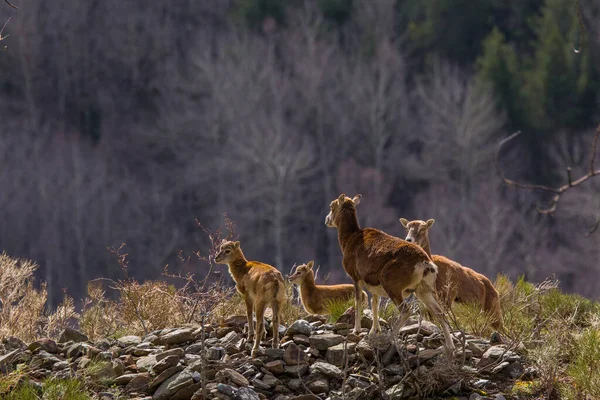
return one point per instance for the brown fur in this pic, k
(315, 297)
(261, 285)
(456, 282)
(386, 265)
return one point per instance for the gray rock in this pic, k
(271, 380)
(139, 383)
(226, 389)
(194, 348)
(426, 328)
(179, 352)
(294, 355)
(246, 393)
(131, 340)
(498, 353)
(365, 349)
(69, 334)
(215, 353)
(295, 384)
(275, 366)
(399, 391)
(145, 364)
(477, 347)
(177, 336)
(259, 384)
(300, 326)
(514, 370)
(13, 343)
(48, 345)
(500, 367)
(60, 365)
(380, 341)
(324, 341)
(326, 369)
(295, 370)
(11, 357)
(169, 388)
(165, 363)
(43, 360)
(318, 386)
(163, 376)
(272, 353)
(425, 355)
(301, 339)
(336, 355)
(229, 375)
(124, 379)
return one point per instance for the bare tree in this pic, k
(457, 121)
(557, 191)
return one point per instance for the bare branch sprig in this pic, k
(11, 4)
(2, 30)
(558, 191)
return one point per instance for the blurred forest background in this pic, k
(126, 121)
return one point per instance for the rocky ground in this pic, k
(316, 361)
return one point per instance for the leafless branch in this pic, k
(2, 30)
(11, 4)
(558, 191)
(581, 29)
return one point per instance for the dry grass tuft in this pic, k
(23, 307)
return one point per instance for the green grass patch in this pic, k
(569, 307)
(584, 368)
(65, 389)
(335, 308)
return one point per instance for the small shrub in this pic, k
(230, 304)
(388, 311)
(291, 312)
(550, 357)
(148, 306)
(521, 309)
(471, 318)
(100, 316)
(22, 304)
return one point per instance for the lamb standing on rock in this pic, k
(315, 297)
(385, 265)
(456, 282)
(261, 285)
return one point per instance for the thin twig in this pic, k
(581, 28)
(2, 30)
(558, 191)
(11, 4)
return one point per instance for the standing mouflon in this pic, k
(261, 285)
(385, 265)
(456, 282)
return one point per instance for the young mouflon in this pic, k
(261, 285)
(315, 297)
(456, 282)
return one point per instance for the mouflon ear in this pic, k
(404, 222)
(356, 199)
(237, 245)
(341, 199)
(310, 264)
(430, 223)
